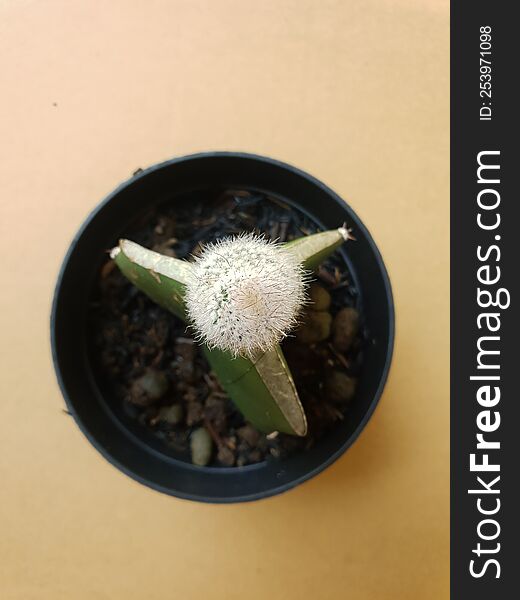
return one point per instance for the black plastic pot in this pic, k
(123, 447)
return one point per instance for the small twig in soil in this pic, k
(325, 276)
(339, 356)
(156, 361)
(214, 435)
(107, 268)
(335, 412)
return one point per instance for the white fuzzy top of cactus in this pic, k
(244, 294)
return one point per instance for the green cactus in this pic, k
(242, 296)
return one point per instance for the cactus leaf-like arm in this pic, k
(262, 389)
(161, 278)
(312, 250)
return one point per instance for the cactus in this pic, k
(241, 297)
(245, 294)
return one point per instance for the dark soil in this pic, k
(157, 377)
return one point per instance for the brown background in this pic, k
(355, 92)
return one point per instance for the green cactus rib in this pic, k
(262, 388)
(161, 278)
(312, 250)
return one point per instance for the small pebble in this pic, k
(194, 413)
(339, 387)
(275, 452)
(148, 388)
(243, 447)
(249, 434)
(215, 411)
(241, 461)
(345, 328)
(319, 297)
(226, 456)
(170, 414)
(185, 356)
(201, 446)
(231, 442)
(255, 456)
(315, 327)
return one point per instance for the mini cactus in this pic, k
(241, 297)
(244, 294)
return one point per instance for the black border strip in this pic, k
(471, 135)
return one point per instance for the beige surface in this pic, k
(354, 91)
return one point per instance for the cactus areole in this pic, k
(241, 296)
